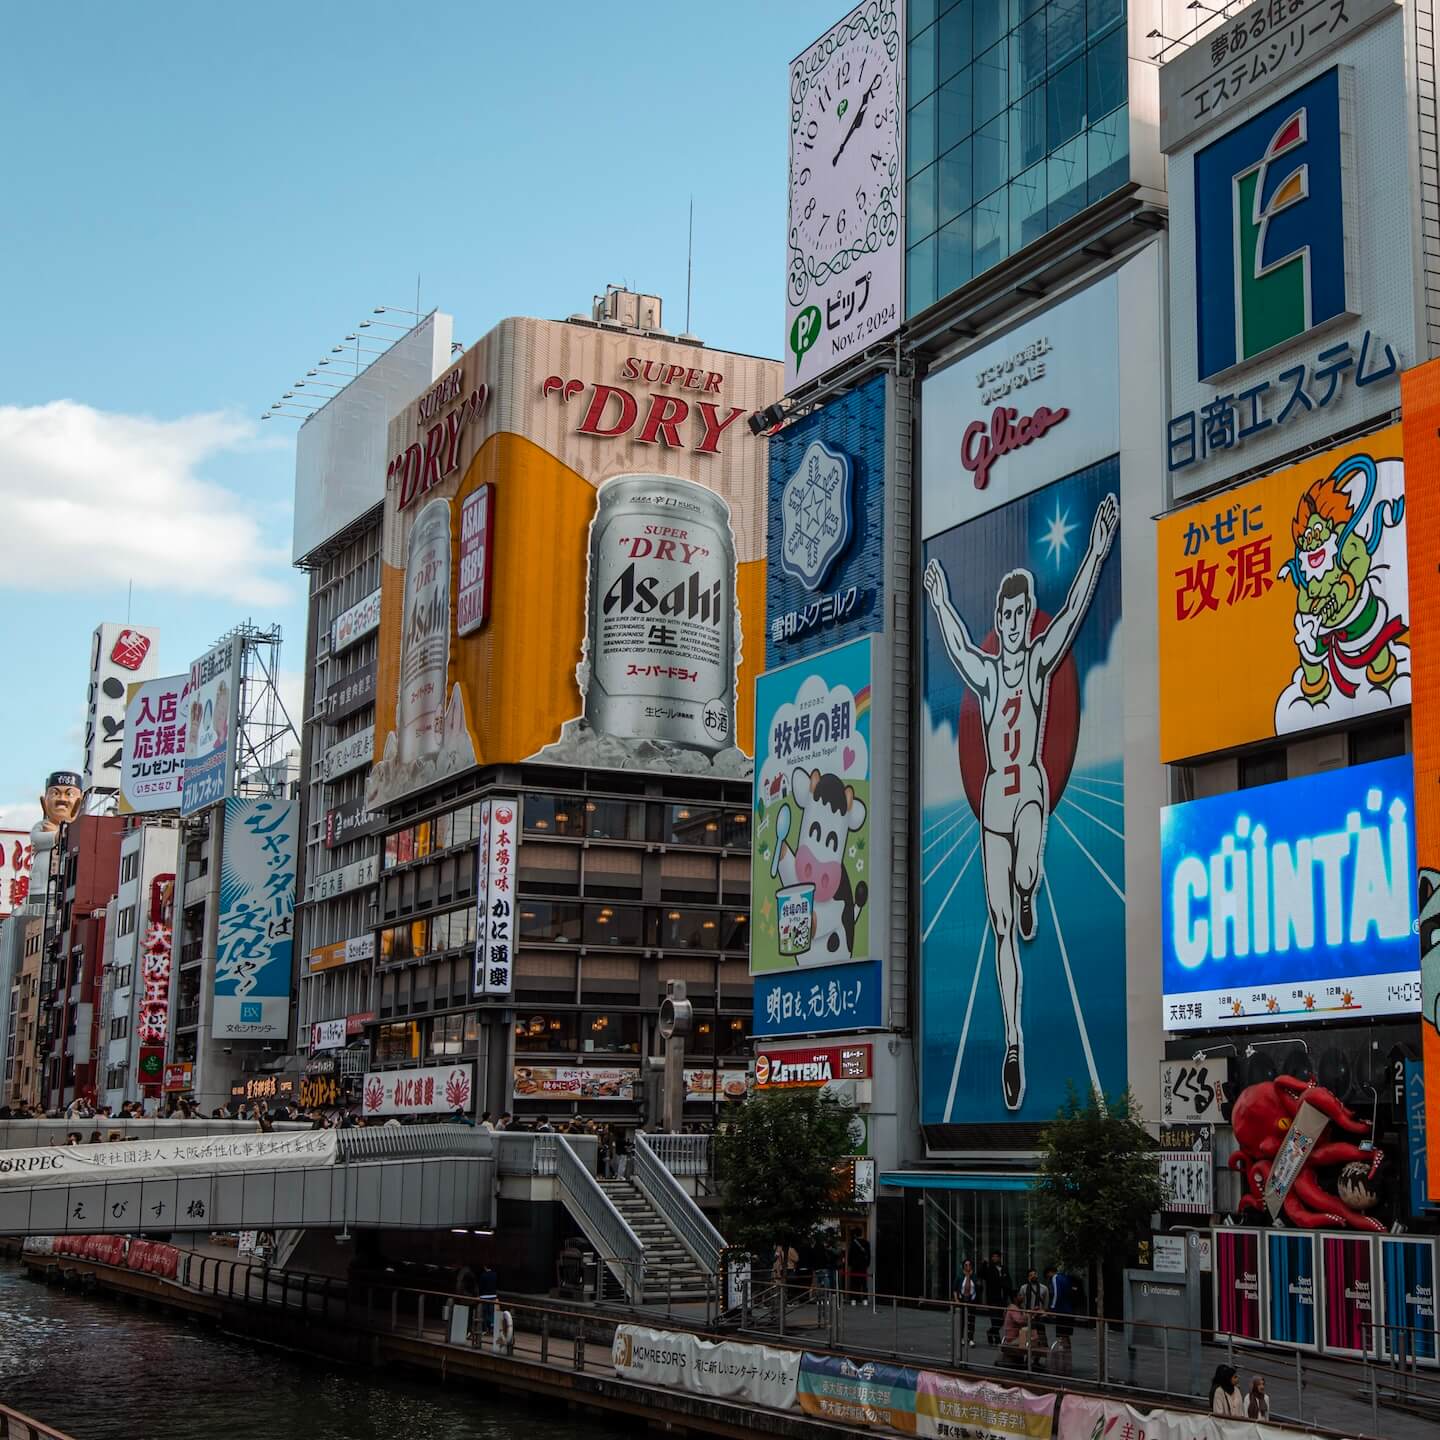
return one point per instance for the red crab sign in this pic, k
(1285, 1130)
(418, 1092)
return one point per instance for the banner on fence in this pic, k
(955, 1409)
(757, 1373)
(167, 1159)
(1082, 1417)
(834, 1388)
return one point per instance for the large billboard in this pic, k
(1285, 602)
(1022, 835)
(625, 551)
(1040, 402)
(826, 578)
(254, 949)
(1420, 413)
(152, 756)
(119, 656)
(340, 452)
(1293, 255)
(845, 251)
(1289, 903)
(212, 722)
(810, 870)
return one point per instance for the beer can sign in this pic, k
(796, 905)
(425, 634)
(660, 649)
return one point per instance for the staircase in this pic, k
(671, 1272)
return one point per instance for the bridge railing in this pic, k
(528, 1152)
(14, 1424)
(687, 1155)
(35, 1134)
(604, 1226)
(385, 1142)
(673, 1203)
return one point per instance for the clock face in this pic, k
(843, 149)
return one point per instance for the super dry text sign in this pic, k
(816, 1065)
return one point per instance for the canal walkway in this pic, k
(564, 1350)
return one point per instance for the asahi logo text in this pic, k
(634, 591)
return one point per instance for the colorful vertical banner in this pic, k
(1417, 1160)
(254, 948)
(1420, 421)
(1236, 1264)
(1407, 1270)
(1290, 1290)
(810, 871)
(212, 719)
(1022, 843)
(495, 897)
(1347, 1265)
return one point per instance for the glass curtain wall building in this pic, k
(1017, 120)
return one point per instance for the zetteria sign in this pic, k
(817, 1065)
(1039, 403)
(1292, 902)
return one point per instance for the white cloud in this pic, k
(940, 773)
(93, 498)
(1102, 709)
(21, 814)
(291, 685)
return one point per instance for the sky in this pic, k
(204, 199)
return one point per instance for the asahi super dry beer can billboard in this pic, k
(624, 559)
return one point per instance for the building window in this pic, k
(1017, 120)
(610, 1032)
(1263, 767)
(394, 1043)
(562, 815)
(547, 1032)
(689, 930)
(545, 922)
(615, 925)
(1384, 741)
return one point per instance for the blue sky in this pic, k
(203, 199)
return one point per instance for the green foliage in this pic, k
(776, 1166)
(1099, 1180)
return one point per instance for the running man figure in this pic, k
(1015, 803)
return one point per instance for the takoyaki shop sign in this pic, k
(814, 1065)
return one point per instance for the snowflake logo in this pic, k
(815, 514)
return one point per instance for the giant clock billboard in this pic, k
(843, 288)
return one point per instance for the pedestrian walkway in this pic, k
(1320, 1392)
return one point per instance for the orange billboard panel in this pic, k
(1420, 418)
(573, 559)
(1284, 603)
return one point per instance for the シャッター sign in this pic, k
(812, 1065)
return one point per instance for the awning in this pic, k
(952, 1180)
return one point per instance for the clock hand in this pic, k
(855, 123)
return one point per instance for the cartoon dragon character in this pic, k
(1261, 1119)
(1343, 626)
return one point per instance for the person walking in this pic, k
(1257, 1404)
(997, 1288)
(1225, 1396)
(1062, 1301)
(965, 1295)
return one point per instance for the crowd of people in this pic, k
(1019, 1317)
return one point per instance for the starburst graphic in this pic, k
(1057, 533)
(1309, 1002)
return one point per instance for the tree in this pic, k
(776, 1167)
(1099, 1183)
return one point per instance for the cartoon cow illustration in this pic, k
(828, 812)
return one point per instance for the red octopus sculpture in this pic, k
(1261, 1118)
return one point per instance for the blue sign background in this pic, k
(1073, 998)
(1290, 1302)
(854, 425)
(821, 1001)
(1292, 811)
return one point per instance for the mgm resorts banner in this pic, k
(573, 560)
(726, 1370)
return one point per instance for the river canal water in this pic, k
(104, 1370)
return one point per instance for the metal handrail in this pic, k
(18, 1423)
(689, 1223)
(682, 1154)
(604, 1226)
(385, 1141)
